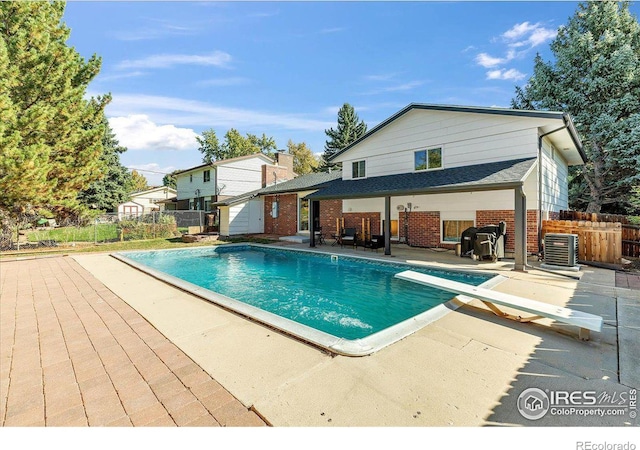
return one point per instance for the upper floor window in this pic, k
(191, 178)
(428, 159)
(207, 175)
(358, 169)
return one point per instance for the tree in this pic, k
(237, 145)
(113, 188)
(350, 128)
(138, 182)
(170, 179)
(266, 145)
(50, 134)
(209, 146)
(304, 160)
(234, 145)
(596, 78)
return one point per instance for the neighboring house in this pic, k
(428, 172)
(145, 202)
(201, 186)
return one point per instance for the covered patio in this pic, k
(499, 176)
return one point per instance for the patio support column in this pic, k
(520, 231)
(387, 225)
(312, 225)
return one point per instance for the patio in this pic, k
(466, 369)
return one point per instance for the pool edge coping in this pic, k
(341, 346)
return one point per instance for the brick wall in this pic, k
(286, 224)
(493, 217)
(271, 174)
(354, 220)
(330, 210)
(424, 228)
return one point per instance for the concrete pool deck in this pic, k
(466, 369)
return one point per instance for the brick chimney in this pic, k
(281, 171)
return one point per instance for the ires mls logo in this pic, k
(534, 403)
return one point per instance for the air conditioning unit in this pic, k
(561, 249)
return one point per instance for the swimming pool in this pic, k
(349, 305)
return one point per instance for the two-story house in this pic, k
(430, 171)
(198, 187)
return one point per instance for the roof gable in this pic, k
(559, 120)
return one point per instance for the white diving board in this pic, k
(584, 321)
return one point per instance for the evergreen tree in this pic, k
(50, 135)
(113, 188)
(596, 78)
(350, 128)
(304, 160)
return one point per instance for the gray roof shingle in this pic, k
(302, 183)
(489, 176)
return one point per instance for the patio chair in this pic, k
(319, 236)
(376, 242)
(348, 237)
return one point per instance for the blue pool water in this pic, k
(349, 298)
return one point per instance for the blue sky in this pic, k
(175, 69)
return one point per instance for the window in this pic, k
(207, 176)
(207, 205)
(428, 159)
(358, 169)
(304, 214)
(191, 178)
(452, 229)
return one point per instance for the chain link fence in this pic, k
(105, 228)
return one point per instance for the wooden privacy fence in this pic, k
(597, 241)
(630, 233)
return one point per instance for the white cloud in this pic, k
(217, 58)
(380, 77)
(528, 35)
(119, 76)
(138, 132)
(487, 61)
(184, 112)
(505, 74)
(402, 87)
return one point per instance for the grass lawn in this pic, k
(149, 244)
(100, 233)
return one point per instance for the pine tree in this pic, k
(596, 78)
(50, 135)
(113, 188)
(350, 128)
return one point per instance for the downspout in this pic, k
(539, 219)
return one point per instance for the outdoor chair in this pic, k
(348, 237)
(319, 236)
(376, 242)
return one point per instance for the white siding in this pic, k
(242, 176)
(555, 179)
(187, 189)
(465, 139)
(239, 219)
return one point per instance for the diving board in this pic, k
(584, 321)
